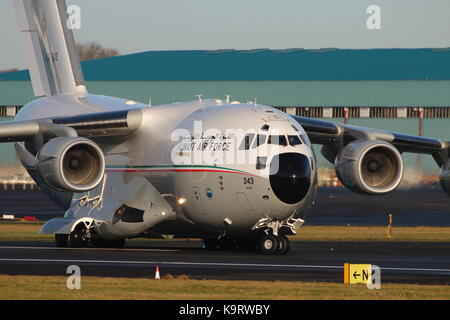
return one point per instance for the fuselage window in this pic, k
(294, 140)
(247, 142)
(280, 140)
(261, 163)
(260, 139)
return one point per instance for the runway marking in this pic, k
(220, 264)
(217, 264)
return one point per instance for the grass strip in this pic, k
(54, 288)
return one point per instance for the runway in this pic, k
(419, 206)
(404, 262)
(410, 262)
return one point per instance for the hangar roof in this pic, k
(264, 64)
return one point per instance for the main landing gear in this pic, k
(81, 237)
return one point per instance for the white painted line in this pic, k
(215, 264)
(210, 264)
(416, 269)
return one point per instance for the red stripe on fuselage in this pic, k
(177, 170)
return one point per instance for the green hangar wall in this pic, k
(406, 90)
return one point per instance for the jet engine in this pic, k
(369, 167)
(71, 164)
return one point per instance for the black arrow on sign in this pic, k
(356, 275)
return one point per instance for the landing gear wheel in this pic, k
(61, 240)
(211, 243)
(74, 240)
(269, 244)
(284, 246)
(78, 237)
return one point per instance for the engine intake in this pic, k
(71, 164)
(369, 167)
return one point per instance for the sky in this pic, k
(141, 25)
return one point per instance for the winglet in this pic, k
(53, 60)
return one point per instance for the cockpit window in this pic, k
(294, 140)
(260, 139)
(247, 142)
(280, 140)
(305, 139)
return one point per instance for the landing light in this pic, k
(181, 201)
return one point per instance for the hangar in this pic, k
(405, 90)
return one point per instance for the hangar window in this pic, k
(247, 142)
(279, 140)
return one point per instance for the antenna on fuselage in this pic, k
(252, 102)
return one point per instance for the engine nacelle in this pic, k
(71, 164)
(444, 177)
(369, 167)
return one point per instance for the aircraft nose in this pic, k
(290, 176)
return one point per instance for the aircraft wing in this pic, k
(100, 124)
(335, 136)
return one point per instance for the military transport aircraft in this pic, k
(234, 174)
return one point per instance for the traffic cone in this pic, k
(157, 277)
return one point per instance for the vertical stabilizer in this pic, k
(53, 60)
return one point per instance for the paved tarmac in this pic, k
(412, 262)
(419, 206)
(402, 262)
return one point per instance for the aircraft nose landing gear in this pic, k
(271, 244)
(273, 239)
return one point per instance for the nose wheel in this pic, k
(285, 245)
(271, 244)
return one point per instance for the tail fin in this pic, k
(53, 60)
